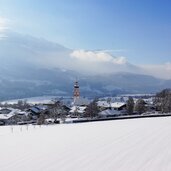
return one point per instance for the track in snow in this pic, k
(122, 145)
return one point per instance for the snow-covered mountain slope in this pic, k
(34, 67)
(31, 81)
(122, 145)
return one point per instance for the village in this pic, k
(82, 109)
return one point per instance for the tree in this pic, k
(140, 106)
(54, 110)
(92, 109)
(76, 112)
(162, 101)
(109, 102)
(21, 104)
(41, 118)
(58, 111)
(130, 106)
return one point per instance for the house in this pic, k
(79, 107)
(12, 116)
(77, 110)
(103, 105)
(35, 111)
(56, 105)
(38, 109)
(5, 110)
(118, 106)
(51, 121)
(108, 109)
(81, 102)
(6, 119)
(109, 113)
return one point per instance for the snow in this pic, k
(36, 100)
(12, 112)
(81, 102)
(113, 105)
(117, 104)
(5, 116)
(79, 109)
(103, 104)
(109, 112)
(137, 144)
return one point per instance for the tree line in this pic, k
(161, 103)
(137, 107)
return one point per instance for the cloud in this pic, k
(161, 70)
(100, 62)
(3, 27)
(111, 50)
(97, 56)
(26, 50)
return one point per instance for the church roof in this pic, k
(79, 109)
(81, 102)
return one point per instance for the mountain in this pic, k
(33, 67)
(119, 83)
(38, 82)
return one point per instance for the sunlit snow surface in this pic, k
(122, 145)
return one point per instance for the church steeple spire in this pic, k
(76, 90)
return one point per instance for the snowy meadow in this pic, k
(137, 144)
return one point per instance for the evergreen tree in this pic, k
(130, 106)
(140, 106)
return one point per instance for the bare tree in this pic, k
(57, 110)
(21, 104)
(41, 118)
(92, 109)
(109, 102)
(140, 106)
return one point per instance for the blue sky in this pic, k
(138, 30)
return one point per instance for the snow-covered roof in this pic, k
(81, 102)
(50, 120)
(35, 109)
(148, 100)
(42, 107)
(22, 113)
(117, 104)
(11, 111)
(38, 109)
(79, 109)
(109, 112)
(6, 116)
(5, 110)
(103, 104)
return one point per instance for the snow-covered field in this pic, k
(122, 145)
(39, 100)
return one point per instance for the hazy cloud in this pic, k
(3, 27)
(160, 71)
(95, 56)
(27, 50)
(111, 50)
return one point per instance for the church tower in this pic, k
(76, 91)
